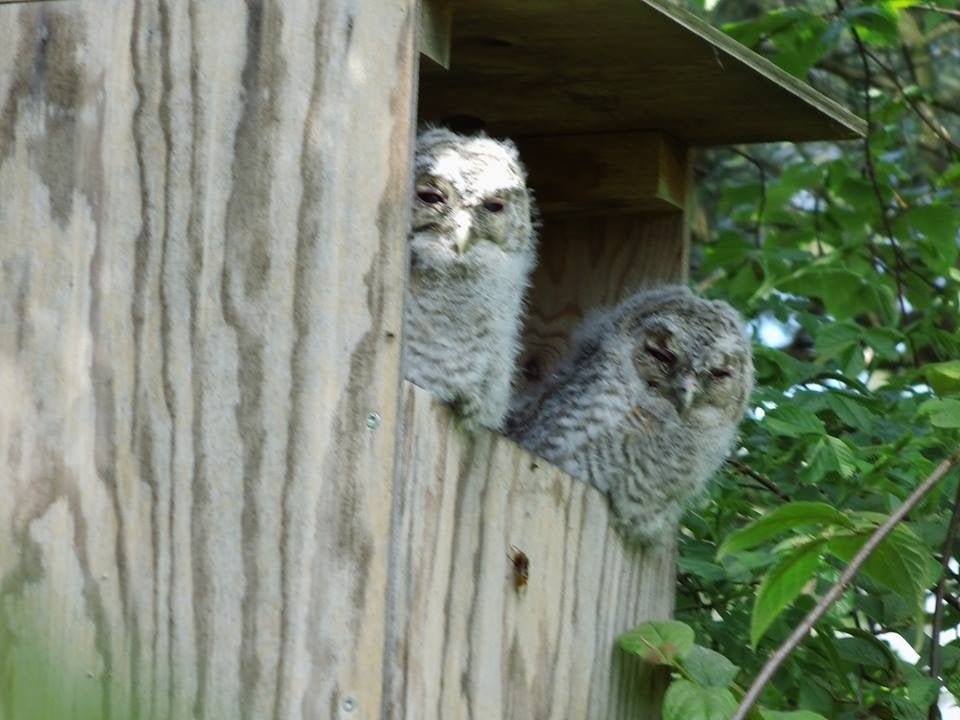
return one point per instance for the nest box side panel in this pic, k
(202, 256)
(474, 640)
(592, 262)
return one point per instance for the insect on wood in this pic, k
(521, 567)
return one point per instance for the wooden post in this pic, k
(202, 242)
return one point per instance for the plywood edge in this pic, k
(855, 126)
(608, 173)
(436, 21)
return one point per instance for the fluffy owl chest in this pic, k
(460, 312)
(651, 433)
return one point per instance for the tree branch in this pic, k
(871, 170)
(950, 13)
(934, 712)
(762, 202)
(802, 630)
(852, 75)
(934, 126)
(753, 474)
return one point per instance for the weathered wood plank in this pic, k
(554, 67)
(202, 251)
(606, 174)
(474, 646)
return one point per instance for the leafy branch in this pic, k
(868, 159)
(762, 479)
(939, 596)
(824, 604)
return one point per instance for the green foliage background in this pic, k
(850, 249)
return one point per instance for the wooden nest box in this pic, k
(606, 101)
(220, 499)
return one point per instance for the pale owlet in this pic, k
(472, 247)
(645, 406)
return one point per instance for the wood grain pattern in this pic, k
(592, 262)
(605, 174)
(553, 67)
(202, 243)
(472, 645)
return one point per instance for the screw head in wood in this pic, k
(349, 703)
(373, 420)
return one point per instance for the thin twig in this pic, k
(766, 482)
(934, 126)
(762, 202)
(871, 170)
(824, 604)
(817, 229)
(950, 13)
(934, 712)
(909, 268)
(710, 279)
(853, 76)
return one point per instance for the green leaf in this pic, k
(884, 341)
(861, 651)
(829, 454)
(793, 421)
(923, 691)
(900, 562)
(902, 709)
(659, 642)
(685, 700)
(784, 518)
(709, 668)
(876, 24)
(943, 377)
(934, 229)
(704, 569)
(943, 413)
(849, 409)
(781, 586)
(749, 32)
(951, 176)
(835, 338)
(843, 292)
(792, 715)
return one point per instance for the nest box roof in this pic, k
(548, 67)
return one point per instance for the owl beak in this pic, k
(684, 391)
(461, 231)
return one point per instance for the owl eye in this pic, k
(664, 356)
(719, 373)
(493, 206)
(430, 196)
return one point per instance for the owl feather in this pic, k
(645, 405)
(472, 247)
